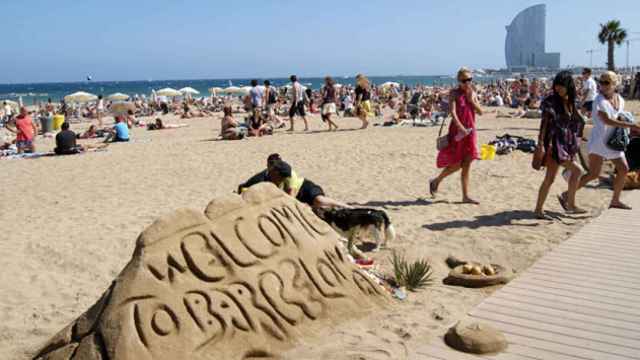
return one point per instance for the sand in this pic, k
(69, 224)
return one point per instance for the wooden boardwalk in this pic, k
(581, 301)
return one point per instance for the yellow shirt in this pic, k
(294, 182)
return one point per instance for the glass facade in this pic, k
(525, 43)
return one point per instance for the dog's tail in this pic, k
(389, 233)
(389, 230)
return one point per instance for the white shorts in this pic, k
(328, 109)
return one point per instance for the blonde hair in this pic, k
(610, 76)
(463, 70)
(362, 80)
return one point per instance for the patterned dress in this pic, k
(563, 130)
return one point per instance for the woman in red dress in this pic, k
(463, 139)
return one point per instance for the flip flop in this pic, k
(563, 203)
(433, 190)
(620, 206)
(544, 217)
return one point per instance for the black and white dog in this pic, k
(351, 222)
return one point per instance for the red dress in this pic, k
(468, 146)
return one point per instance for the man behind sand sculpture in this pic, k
(304, 190)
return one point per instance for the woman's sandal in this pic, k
(433, 189)
(565, 206)
(620, 206)
(543, 216)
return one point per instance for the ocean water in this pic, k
(31, 93)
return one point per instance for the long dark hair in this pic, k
(565, 79)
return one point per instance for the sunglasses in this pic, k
(466, 80)
(605, 83)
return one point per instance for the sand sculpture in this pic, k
(241, 281)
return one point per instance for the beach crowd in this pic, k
(563, 105)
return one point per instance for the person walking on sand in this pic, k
(329, 99)
(363, 99)
(608, 107)
(560, 131)
(462, 148)
(25, 130)
(297, 103)
(100, 110)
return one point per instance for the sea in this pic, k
(39, 92)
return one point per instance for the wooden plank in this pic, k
(560, 330)
(571, 267)
(561, 348)
(572, 283)
(580, 275)
(565, 318)
(600, 240)
(567, 340)
(563, 306)
(583, 248)
(538, 354)
(574, 300)
(438, 350)
(594, 262)
(577, 292)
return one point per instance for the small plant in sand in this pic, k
(414, 276)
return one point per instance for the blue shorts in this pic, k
(24, 143)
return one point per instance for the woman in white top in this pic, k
(607, 106)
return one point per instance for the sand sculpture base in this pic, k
(241, 281)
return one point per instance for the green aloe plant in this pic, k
(413, 276)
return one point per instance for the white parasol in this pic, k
(118, 97)
(80, 97)
(169, 92)
(189, 90)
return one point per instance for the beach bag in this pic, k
(443, 141)
(619, 139)
(540, 155)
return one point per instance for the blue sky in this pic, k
(64, 40)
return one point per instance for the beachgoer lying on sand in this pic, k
(281, 174)
(119, 133)
(159, 125)
(229, 128)
(93, 132)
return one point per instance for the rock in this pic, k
(476, 338)
(242, 280)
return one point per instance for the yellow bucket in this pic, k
(58, 119)
(487, 152)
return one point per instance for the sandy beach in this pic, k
(70, 223)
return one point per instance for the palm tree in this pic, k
(611, 34)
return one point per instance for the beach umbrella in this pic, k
(215, 90)
(169, 92)
(118, 97)
(189, 90)
(11, 103)
(509, 79)
(80, 97)
(233, 90)
(122, 107)
(390, 84)
(245, 89)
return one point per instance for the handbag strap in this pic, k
(442, 126)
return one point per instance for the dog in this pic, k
(349, 223)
